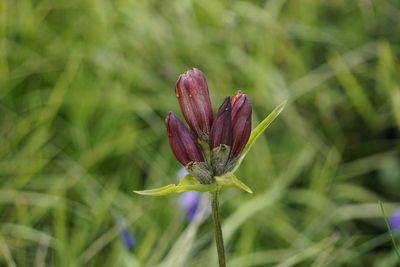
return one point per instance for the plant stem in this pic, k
(217, 228)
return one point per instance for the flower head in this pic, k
(211, 146)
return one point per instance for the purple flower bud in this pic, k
(394, 220)
(192, 92)
(183, 141)
(241, 122)
(221, 138)
(221, 130)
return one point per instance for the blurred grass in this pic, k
(84, 88)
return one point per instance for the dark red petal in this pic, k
(192, 92)
(241, 122)
(221, 130)
(183, 142)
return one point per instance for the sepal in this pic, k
(219, 158)
(200, 171)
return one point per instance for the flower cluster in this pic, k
(211, 145)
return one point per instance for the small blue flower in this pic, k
(189, 200)
(128, 240)
(394, 221)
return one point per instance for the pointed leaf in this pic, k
(187, 183)
(258, 131)
(165, 190)
(229, 179)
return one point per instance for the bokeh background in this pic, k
(85, 87)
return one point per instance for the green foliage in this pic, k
(85, 86)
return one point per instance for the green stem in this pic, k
(217, 228)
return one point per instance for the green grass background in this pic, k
(85, 86)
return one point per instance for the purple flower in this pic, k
(394, 220)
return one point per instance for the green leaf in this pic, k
(258, 131)
(229, 179)
(187, 183)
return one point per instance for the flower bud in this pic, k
(241, 122)
(221, 130)
(221, 138)
(183, 141)
(192, 92)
